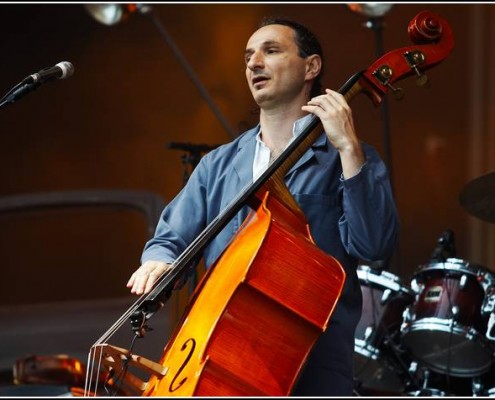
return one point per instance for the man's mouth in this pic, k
(259, 80)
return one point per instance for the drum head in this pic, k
(448, 351)
(457, 265)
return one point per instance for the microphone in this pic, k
(445, 247)
(61, 70)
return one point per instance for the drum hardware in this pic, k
(448, 367)
(432, 384)
(413, 368)
(445, 327)
(477, 386)
(385, 296)
(491, 325)
(487, 281)
(400, 357)
(488, 383)
(445, 343)
(367, 333)
(379, 357)
(428, 391)
(420, 390)
(489, 303)
(488, 308)
(445, 247)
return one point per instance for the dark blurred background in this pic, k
(108, 126)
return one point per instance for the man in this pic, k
(340, 183)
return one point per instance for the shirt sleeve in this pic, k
(369, 224)
(181, 220)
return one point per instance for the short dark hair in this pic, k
(306, 41)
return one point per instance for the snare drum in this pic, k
(445, 328)
(384, 300)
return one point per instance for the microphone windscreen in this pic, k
(67, 69)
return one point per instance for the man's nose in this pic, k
(255, 61)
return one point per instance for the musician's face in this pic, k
(275, 71)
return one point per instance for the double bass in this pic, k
(256, 314)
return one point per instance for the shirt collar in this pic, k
(297, 128)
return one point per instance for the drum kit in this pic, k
(435, 336)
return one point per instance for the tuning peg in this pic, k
(383, 74)
(414, 59)
(398, 93)
(422, 80)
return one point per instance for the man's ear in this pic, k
(313, 66)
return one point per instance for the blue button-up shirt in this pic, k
(353, 219)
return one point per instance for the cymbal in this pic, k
(478, 197)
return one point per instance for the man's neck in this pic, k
(277, 126)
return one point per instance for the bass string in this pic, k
(186, 256)
(171, 273)
(202, 240)
(349, 90)
(91, 372)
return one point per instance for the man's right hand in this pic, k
(146, 275)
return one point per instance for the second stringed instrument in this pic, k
(257, 312)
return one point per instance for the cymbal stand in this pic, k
(191, 158)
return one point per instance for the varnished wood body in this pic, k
(256, 314)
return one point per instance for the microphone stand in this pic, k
(376, 25)
(17, 92)
(149, 12)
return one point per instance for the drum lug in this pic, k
(406, 318)
(385, 296)
(406, 314)
(489, 303)
(463, 281)
(486, 280)
(489, 330)
(455, 312)
(417, 286)
(413, 367)
(477, 387)
(368, 332)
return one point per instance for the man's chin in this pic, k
(262, 99)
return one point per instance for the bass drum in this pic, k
(379, 361)
(445, 329)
